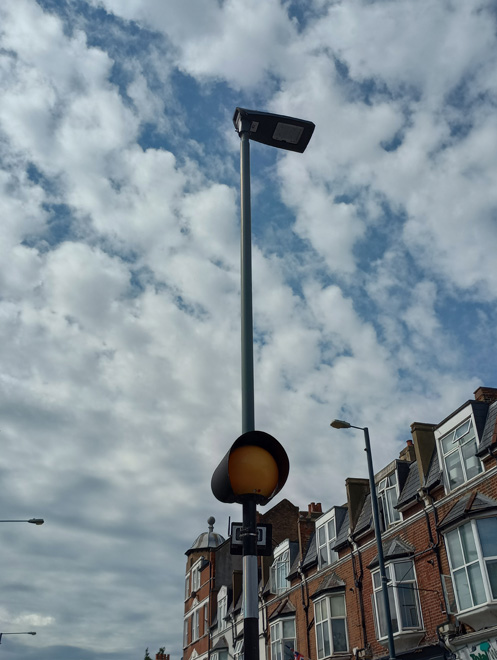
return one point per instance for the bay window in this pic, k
(330, 624)
(472, 549)
(283, 642)
(403, 598)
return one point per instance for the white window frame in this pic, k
(327, 622)
(196, 569)
(455, 449)
(388, 490)
(283, 640)
(280, 568)
(472, 573)
(398, 574)
(186, 629)
(239, 650)
(326, 534)
(196, 625)
(222, 608)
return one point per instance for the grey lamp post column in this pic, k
(340, 424)
(293, 135)
(14, 633)
(34, 521)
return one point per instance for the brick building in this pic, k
(320, 591)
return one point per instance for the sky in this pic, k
(375, 277)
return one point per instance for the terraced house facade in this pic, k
(320, 591)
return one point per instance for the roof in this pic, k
(393, 548)
(207, 540)
(411, 486)
(489, 435)
(285, 608)
(365, 521)
(311, 556)
(330, 583)
(343, 532)
(468, 507)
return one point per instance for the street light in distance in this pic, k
(33, 521)
(341, 424)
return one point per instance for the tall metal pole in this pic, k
(248, 416)
(249, 528)
(381, 559)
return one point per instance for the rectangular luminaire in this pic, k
(274, 130)
(288, 133)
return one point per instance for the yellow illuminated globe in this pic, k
(252, 471)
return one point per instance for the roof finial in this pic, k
(210, 521)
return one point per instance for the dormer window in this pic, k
(280, 568)
(388, 496)
(458, 449)
(326, 539)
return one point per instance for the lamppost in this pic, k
(340, 424)
(33, 521)
(256, 467)
(293, 135)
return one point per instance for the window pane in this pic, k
(323, 639)
(454, 469)
(447, 444)
(404, 571)
(468, 543)
(492, 576)
(289, 628)
(331, 529)
(323, 556)
(380, 609)
(288, 649)
(393, 610)
(455, 550)
(322, 535)
(408, 606)
(376, 580)
(462, 589)
(462, 430)
(487, 528)
(471, 461)
(339, 635)
(476, 584)
(392, 501)
(337, 605)
(320, 610)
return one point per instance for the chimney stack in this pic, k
(486, 394)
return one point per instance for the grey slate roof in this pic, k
(487, 437)
(411, 486)
(284, 607)
(330, 582)
(221, 644)
(467, 507)
(395, 547)
(434, 476)
(365, 520)
(343, 532)
(311, 556)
